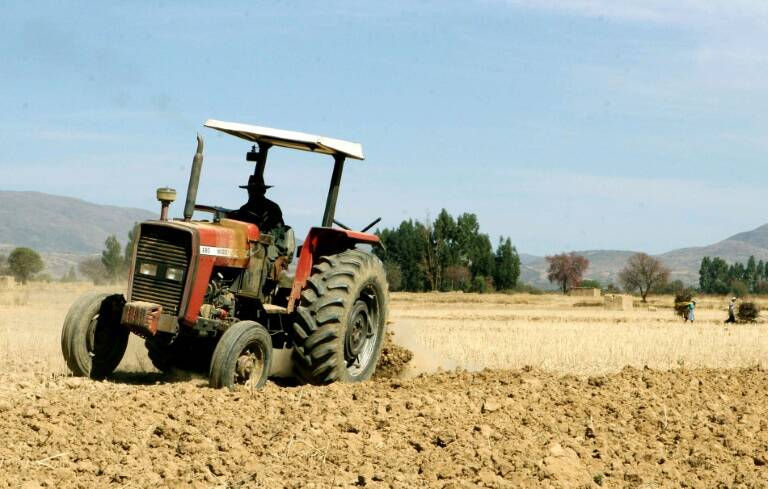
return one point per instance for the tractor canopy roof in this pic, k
(289, 139)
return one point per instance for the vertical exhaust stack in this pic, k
(194, 180)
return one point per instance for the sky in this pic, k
(563, 124)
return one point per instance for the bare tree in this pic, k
(643, 273)
(567, 269)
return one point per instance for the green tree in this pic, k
(405, 246)
(594, 284)
(132, 234)
(442, 248)
(4, 265)
(750, 273)
(507, 269)
(112, 259)
(714, 275)
(23, 263)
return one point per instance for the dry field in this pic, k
(569, 402)
(571, 335)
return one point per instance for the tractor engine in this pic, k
(218, 309)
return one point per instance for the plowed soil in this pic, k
(495, 428)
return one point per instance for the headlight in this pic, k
(149, 269)
(175, 274)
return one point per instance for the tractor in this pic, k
(220, 296)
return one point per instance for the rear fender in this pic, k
(324, 242)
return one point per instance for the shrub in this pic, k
(682, 299)
(748, 312)
(591, 283)
(526, 289)
(739, 288)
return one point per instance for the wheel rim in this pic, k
(362, 334)
(249, 366)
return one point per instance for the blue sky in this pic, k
(564, 124)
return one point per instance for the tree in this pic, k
(457, 277)
(593, 284)
(507, 269)
(644, 273)
(714, 275)
(3, 265)
(394, 276)
(566, 269)
(94, 269)
(405, 246)
(111, 258)
(23, 263)
(129, 247)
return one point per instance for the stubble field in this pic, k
(535, 391)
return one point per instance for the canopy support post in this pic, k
(261, 160)
(333, 190)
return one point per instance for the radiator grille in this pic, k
(163, 247)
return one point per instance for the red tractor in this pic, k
(217, 296)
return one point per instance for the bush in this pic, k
(682, 299)
(748, 312)
(672, 287)
(591, 283)
(526, 289)
(482, 284)
(739, 288)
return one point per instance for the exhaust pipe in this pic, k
(194, 180)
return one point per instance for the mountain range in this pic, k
(605, 265)
(66, 230)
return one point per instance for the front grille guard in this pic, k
(157, 291)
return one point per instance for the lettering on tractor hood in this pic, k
(214, 251)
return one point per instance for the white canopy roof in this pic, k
(289, 139)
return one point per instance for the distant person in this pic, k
(259, 210)
(731, 312)
(691, 310)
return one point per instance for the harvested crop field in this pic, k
(549, 419)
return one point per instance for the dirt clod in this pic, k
(394, 359)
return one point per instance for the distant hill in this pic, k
(51, 223)
(67, 230)
(605, 265)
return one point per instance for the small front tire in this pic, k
(92, 340)
(242, 356)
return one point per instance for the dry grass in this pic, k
(30, 327)
(572, 335)
(472, 331)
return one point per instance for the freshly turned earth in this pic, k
(636, 428)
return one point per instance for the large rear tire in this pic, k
(242, 356)
(341, 319)
(92, 340)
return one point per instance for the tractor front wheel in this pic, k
(340, 321)
(92, 340)
(242, 356)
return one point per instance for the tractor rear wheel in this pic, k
(341, 318)
(92, 340)
(242, 356)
